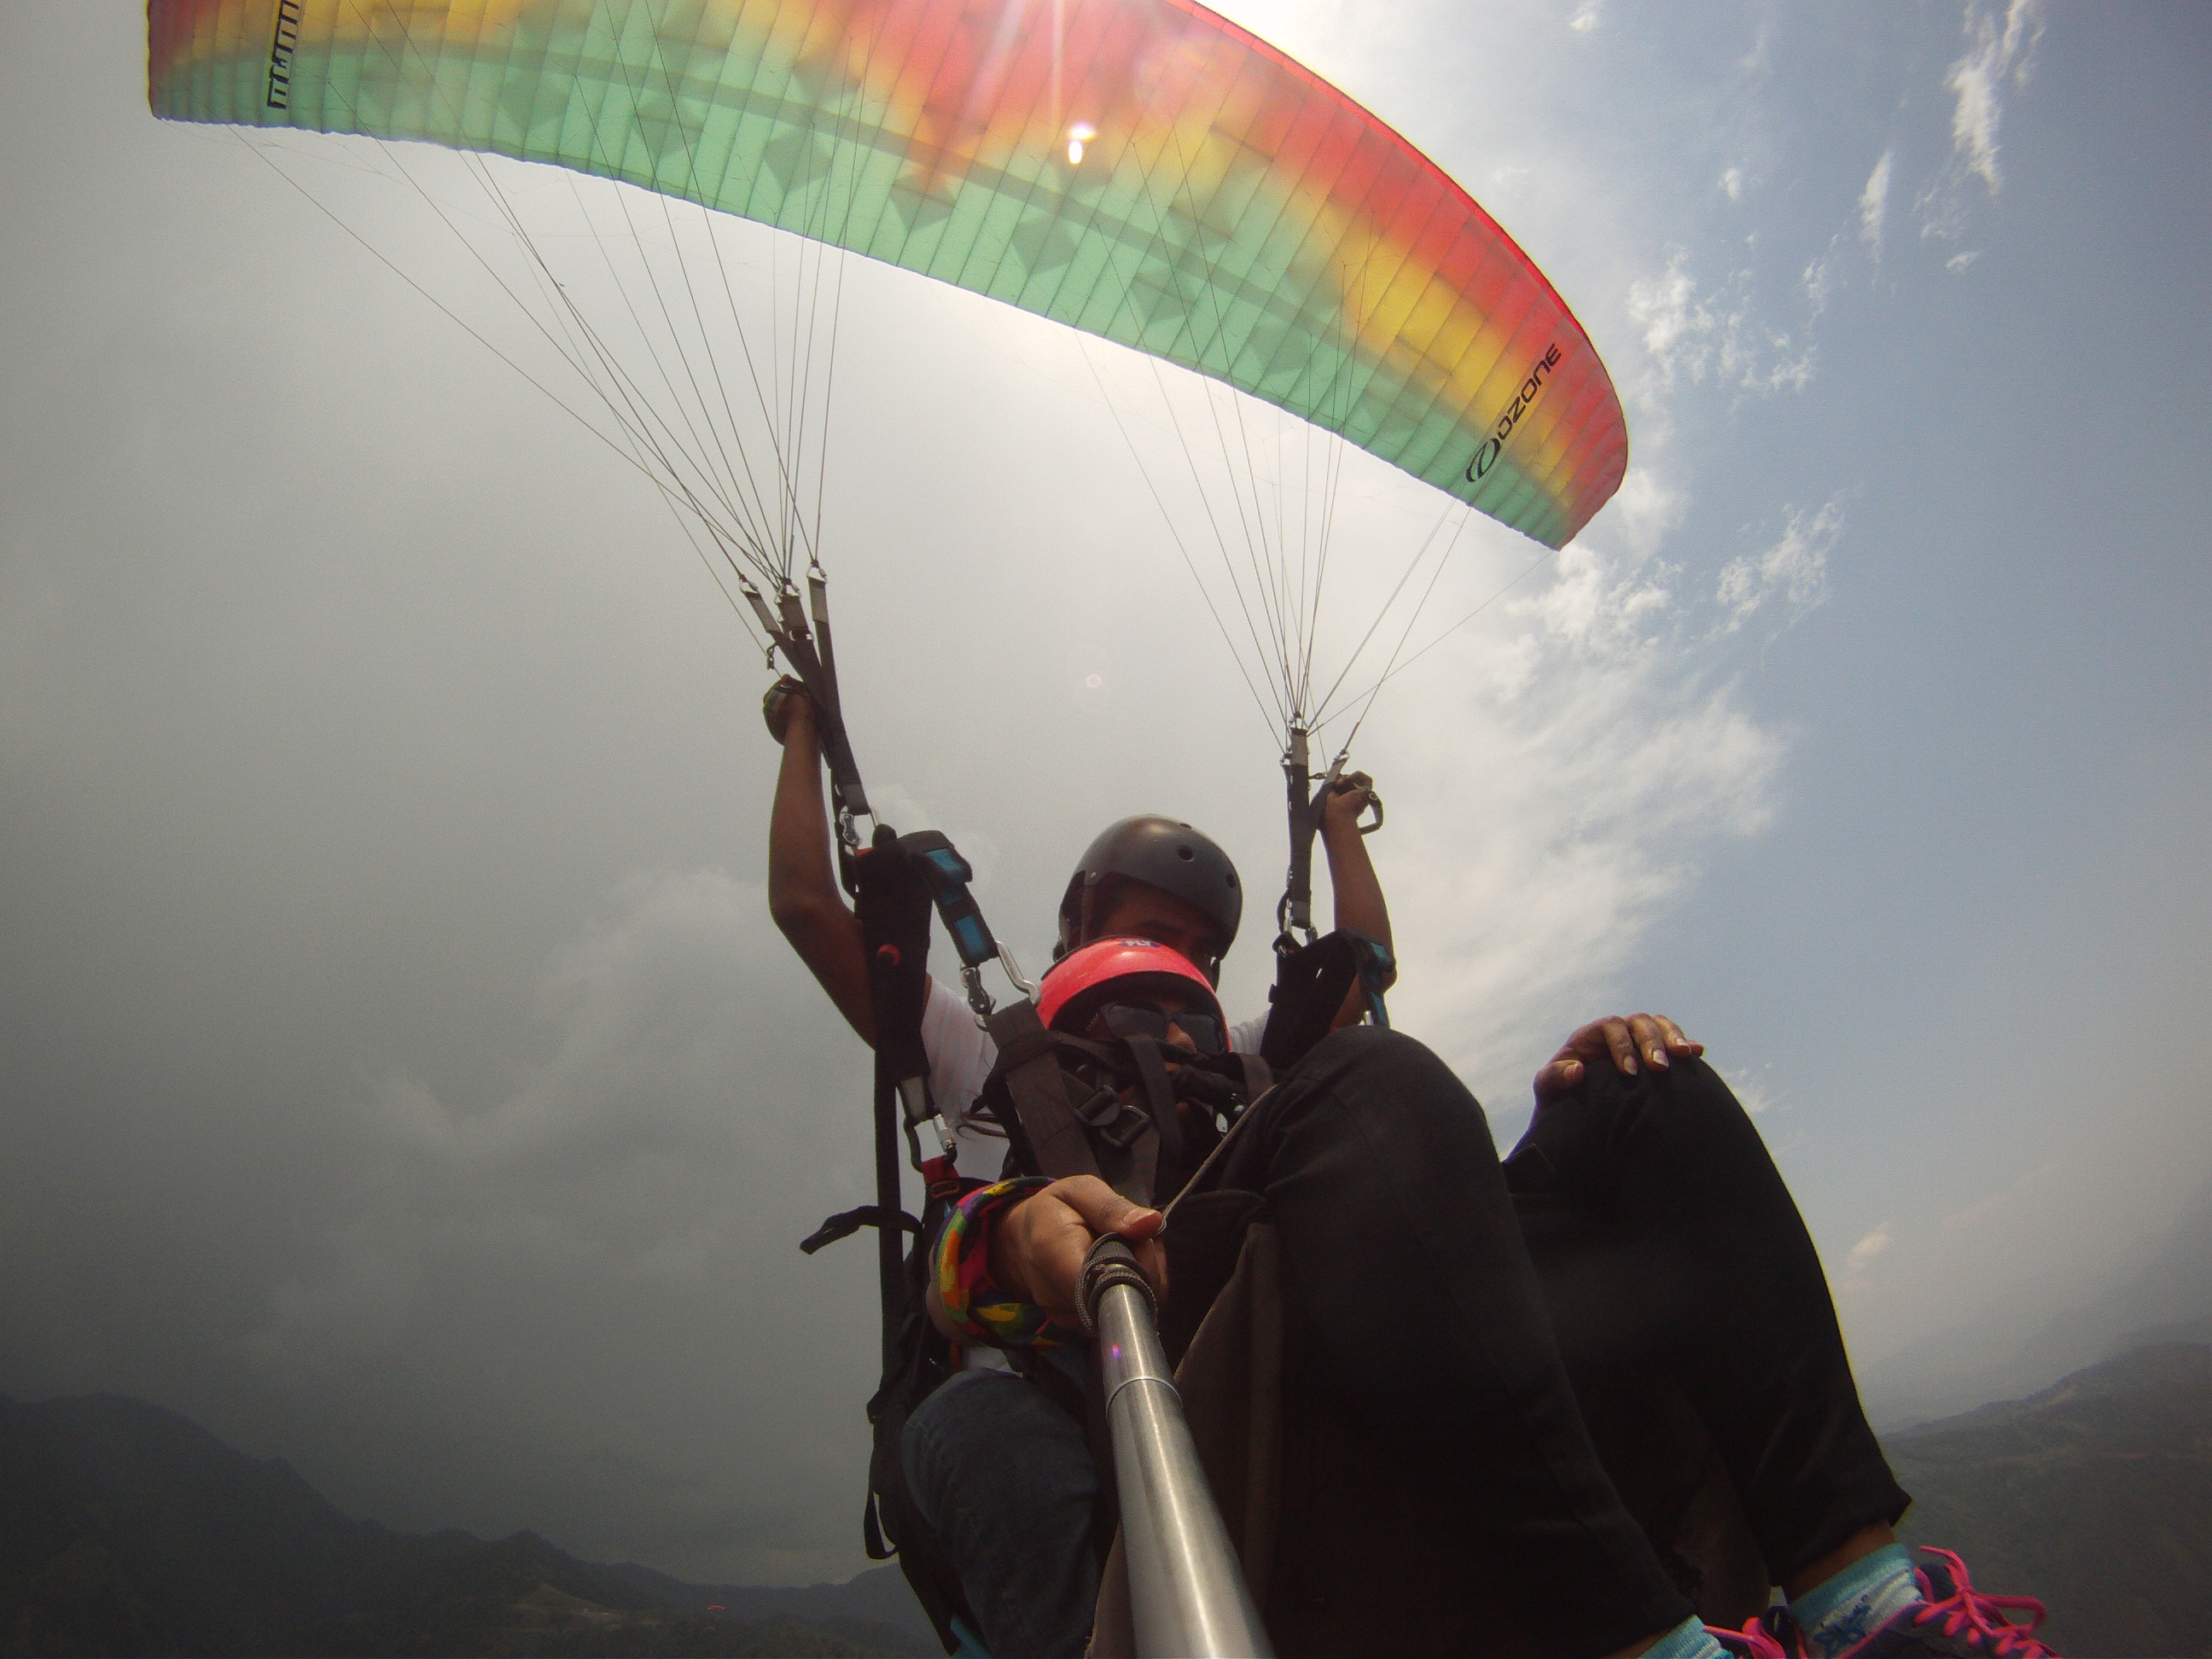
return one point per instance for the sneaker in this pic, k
(1772, 1635)
(1954, 1618)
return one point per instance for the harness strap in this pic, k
(948, 875)
(1160, 1105)
(1038, 1090)
(846, 1223)
(1311, 984)
(1294, 915)
(894, 913)
(786, 624)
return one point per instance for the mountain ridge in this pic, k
(2094, 1495)
(127, 1529)
(2163, 1295)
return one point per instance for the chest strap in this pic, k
(1053, 1139)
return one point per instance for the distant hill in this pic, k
(2094, 1495)
(2164, 1297)
(126, 1529)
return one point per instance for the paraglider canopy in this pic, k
(1143, 170)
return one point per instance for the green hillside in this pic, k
(2094, 1495)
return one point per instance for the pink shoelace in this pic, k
(1980, 1618)
(1755, 1641)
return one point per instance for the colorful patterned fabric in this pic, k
(983, 1312)
(1140, 169)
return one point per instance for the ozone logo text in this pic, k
(286, 43)
(1523, 400)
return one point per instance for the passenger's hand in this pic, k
(784, 702)
(1037, 1247)
(1623, 1040)
(1353, 794)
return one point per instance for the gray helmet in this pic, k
(1161, 852)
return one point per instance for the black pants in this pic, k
(1476, 1357)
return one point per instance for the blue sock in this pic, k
(1845, 1610)
(1687, 1640)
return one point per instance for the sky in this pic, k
(399, 1071)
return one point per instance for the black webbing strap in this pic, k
(1030, 1070)
(890, 1253)
(1294, 915)
(894, 911)
(808, 651)
(1169, 1170)
(1311, 984)
(846, 1223)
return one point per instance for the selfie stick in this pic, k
(1187, 1589)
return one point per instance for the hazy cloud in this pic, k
(1793, 574)
(398, 1072)
(1751, 1086)
(1864, 1253)
(2000, 56)
(1995, 52)
(1873, 204)
(1983, 1208)
(1593, 761)
(1692, 335)
(1819, 282)
(649, 1166)
(1650, 504)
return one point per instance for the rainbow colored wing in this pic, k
(1141, 169)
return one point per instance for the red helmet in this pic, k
(1082, 979)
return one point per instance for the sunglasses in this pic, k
(1128, 1019)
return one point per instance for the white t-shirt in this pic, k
(961, 1055)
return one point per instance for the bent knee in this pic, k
(1685, 1107)
(1368, 1049)
(1687, 1087)
(1365, 1064)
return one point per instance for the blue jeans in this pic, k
(1005, 1480)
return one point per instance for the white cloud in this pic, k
(1873, 204)
(1792, 574)
(1864, 1252)
(1752, 1087)
(2000, 54)
(1820, 284)
(1732, 184)
(1694, 337)
(1648, 506)
(1995, 54)
(1585, 762)
(2003, 1200)
(1959, 262)
(1586, 17)
(1667, 308)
